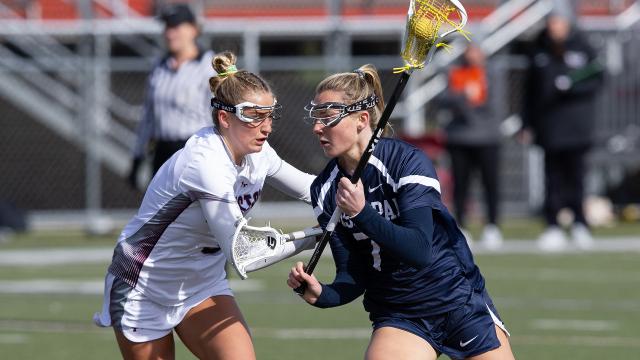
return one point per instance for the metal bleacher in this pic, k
(77, 67)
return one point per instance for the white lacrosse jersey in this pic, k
(171, 249)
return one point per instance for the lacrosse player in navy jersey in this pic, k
(396, 242)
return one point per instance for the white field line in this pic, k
(567, 304)
(92, 287)
(573, 341)
(95, 287)
(309, 333)
(35, 326)
(13, 339)
(365, 333)
(575, 325)
(58, 256)
(613, 244)
(562, 275)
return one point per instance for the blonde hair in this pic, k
(232, 85)
(357, 85)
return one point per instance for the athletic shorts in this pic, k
(141, 319)
(461, 333)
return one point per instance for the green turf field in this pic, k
(577, 306)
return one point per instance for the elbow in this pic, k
(422, 258)
(421, 262)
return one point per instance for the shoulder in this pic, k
(327, 175)
(206, 146)
(161, 62)
(267, 158)
(321, 187)
(266, 155)
(399, 157)
(323, 182)
(204, 164)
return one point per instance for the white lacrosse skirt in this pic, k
(141, 319)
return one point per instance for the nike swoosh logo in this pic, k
(463, 344)
(372, 189)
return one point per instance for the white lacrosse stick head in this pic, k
(252, 244)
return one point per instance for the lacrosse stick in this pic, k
(425, 19)
(254, 248)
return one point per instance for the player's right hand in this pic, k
(297, 277)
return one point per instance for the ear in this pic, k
(223, 119)
(363, 121)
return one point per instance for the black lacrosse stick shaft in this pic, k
(357, 174)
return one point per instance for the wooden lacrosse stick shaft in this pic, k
(357, 174)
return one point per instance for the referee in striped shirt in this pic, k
(177, 97)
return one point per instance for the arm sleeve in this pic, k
(409, 241)
(213, 188)
(292, 182)
(222, 218)
(349, 272)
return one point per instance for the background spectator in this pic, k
(559, 109)
(473, 138)
(177, 97)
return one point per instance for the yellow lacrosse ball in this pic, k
(423, 29)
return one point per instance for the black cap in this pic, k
(177, 14)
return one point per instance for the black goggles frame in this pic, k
(345, 110)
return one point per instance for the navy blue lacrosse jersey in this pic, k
(399, 177)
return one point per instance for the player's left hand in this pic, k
(350, 197)
(297, 277)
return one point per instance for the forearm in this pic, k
(222, 217)
(338, 293)
(292, 182)
(409, 241)
(349, 273)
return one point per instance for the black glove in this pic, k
(133, 173)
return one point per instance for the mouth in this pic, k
(261, 141)
(324, 143)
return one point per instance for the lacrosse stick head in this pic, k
(428, 23)
(251, 244)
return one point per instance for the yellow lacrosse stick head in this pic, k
(425, 20)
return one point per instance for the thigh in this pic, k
(393, 343)
(502, 353)
(162, 348)
(215, 329)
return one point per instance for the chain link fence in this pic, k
(42, 170)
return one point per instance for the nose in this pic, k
(318, 127)
(267, 126)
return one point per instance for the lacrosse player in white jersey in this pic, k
(167, 273)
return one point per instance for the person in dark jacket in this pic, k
(563, 79)
(473, 137)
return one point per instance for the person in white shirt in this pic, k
(167, 271)
(176, 102)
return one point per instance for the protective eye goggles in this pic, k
(249, 112)
(330, 113)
